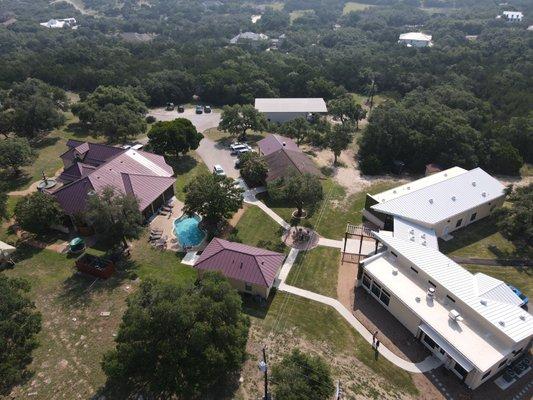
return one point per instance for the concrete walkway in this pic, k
(287, 265)
(338, 244)
(249, 197)
(428, 364)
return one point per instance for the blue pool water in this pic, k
(187, 231)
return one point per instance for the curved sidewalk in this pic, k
(428, 364)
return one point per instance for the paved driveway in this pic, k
(211, 152)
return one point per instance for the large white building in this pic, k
(286, 109)
(472, 322)
(437, 204)
(513, 16)
(60, 23)
(415, 39)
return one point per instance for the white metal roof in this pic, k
(444, 199)
(415, 233)
(486, 297)
(288, 105)
(513, 14)
(418, 184)
(156, 169)
(416, 36)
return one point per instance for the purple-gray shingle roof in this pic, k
(273, 143)
(241, 262)
(284, 162)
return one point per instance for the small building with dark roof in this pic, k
(249, 269)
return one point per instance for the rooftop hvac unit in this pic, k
(454, 315)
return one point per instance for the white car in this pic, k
(218, 170)
(236, 148)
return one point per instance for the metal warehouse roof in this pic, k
(445, 199)
(288, 105)
(415, 36)
(485, 296)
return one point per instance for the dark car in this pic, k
(199, 110)
(207, 109)
(170, 107)
(181, 109)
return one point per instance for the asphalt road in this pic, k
(211, 152)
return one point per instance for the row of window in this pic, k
(380, 293)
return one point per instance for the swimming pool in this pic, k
(187, 231)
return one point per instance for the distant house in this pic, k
(513, 16)
(60, 23)
(283, 158)
(415, 39)
(436, 205)
(249, 37)
(286, 109)
(90, 167)
(249, 269)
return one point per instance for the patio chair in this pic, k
(155, 237)
(154, 231)
(167, 208)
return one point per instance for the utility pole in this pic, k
(372, 94)
(263, 367)
(338, 391)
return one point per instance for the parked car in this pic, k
(207, 109)
(236, 147)
(181, 109)
(218, 170)
(170, 107)
(521, 295)
(199, 110)
(244, 151)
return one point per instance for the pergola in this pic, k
(360, 231)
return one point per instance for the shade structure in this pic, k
(6, 250)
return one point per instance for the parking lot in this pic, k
(211, 152)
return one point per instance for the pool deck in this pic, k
(166, 224)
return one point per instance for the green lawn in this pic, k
(299, 13)
(186, 168)
(255, 228)
(321, 324)
(316, 270)
(335, 211)
(521, 278)
(481, 239)
(353, 6)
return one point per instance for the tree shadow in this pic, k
(45, 141)
(79, 130)
(255, 308)
(182, 164)
(13, 181)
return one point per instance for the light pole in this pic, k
(263, 367)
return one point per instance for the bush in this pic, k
(150, 119)
(38, 212)
(371, 165)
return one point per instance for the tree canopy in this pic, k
(15, 153)
(346, 109)
(38, 212)
(174, 137)
(516, 220)
(20, 322)
(213, 197)
(238, 119)
(299, 190)
(187, 340)
(339, 139)
(114, 215)
(299, 376)
(115, 112)
(254, 169)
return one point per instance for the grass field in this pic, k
(186, 168)
(334, 212)
(255, 228)
(353, 7)
(299, 13)
(316, 270)
(290, 315)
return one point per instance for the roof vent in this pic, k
(424, 243)
(408, 187)
(483, 301)
(241, 265)
(412, 231)
(446, 174)
(394, 191)
(522, 317)
(474, 183)
(502, 323)
(417, 299)
(484, 194)
(395, 271)
(423, 236)
(412, 238)
(431, 292)
(454, 315)
(430, 201)
(284, 144)
(454, 198)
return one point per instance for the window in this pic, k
(458, 224)
(460, 370)
(473, 217)
(450, 298)
(429, 341)
(384, 297)
(502, 363)
(248, 287)
(516, 352)
(376, 289)
(486, 375)
(394, 254)
(432, 284)
(414, 270)
(366, 281)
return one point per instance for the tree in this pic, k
(174, 137)
(299, 376)
(15, 153)
(300, 190)
(114, 215)
(339, 139)
(297, 129)
(3, 203)
(116, 112)
(33, 107)
(213, 197)
(238, 119)
(504, 158)
(254, 169)
(182, 341)
(38, 212)
(347, 109)
(19, 325)
(516, 220)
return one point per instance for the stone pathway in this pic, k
(428, 364)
